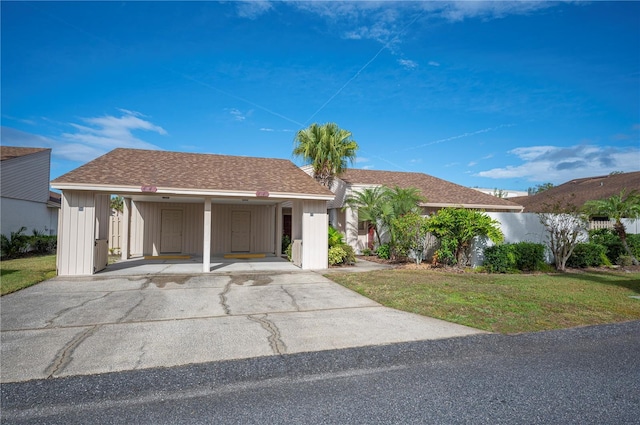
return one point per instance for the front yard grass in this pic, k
(24, 272)
(504, 303)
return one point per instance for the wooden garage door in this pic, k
(171, 231)
(240, 231)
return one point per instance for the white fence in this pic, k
(526, 227)
(115, 232)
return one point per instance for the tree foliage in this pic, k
(539, 188)
(617, 207)
(328, 149)
(566, 226)
(116, 203)
(410, 232)
(456, 228)
(373, 207)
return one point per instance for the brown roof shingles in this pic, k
(9, 152)
(579, 191)
(179, 170)
(437, 191)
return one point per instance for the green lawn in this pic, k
(504, 303)
(24, 272)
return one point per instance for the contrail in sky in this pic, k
(460, 136)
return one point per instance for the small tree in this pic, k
(618, 207)
(456, 228)
(116, 203)
(566, 227)
(539, 188)
(410, 232)
(373, 206)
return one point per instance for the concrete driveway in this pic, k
(79, 326)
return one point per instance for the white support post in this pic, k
(126, 226)
(278, 236)
(206, 240)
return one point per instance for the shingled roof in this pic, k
(134, 168)
(579, 191)
(9, 152)
(439, 193)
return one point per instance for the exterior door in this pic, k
(171, 231)
(240, 231)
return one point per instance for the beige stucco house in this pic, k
(187, 203)
(437, 192)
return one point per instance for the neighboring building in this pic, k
(24, 191)
(186, 203)
(578, 191)
(438, 193)
(502, 192)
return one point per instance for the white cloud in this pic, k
(367, 167)
(361, 159)
(434, 63)
(238, 115)
(253, 9)
(98, 136)
(560, 164)
(472, 163)
(408, 64)
(267, 129)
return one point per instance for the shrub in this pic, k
(499, 258)
(341, 254)
(529, 256)
(350, 257)
(633, 241)
(366, 252)
(15, 245)
(624, 261)
(384, 251)
(610, 240)
(288, 251)
(586, 255)
(286, 241)
(335, 237)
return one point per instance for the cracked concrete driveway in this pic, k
(80, 326)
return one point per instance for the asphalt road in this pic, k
(578, 376)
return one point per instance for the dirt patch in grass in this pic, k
(504, 303)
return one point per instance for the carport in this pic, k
(184, 204)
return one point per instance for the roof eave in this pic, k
(124, 190)
(517, 208)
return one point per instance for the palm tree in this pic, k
(373, 207)
(618, 207)
(327, 148)
(405, 200)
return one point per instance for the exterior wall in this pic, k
(315, 229)
(26, 177)
(25, 193)
(15, 213)
(146, 225)
(76, 233)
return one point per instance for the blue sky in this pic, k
(490, 94)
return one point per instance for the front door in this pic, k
(171, 231)
(240, 231)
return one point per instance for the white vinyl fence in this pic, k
(526, 227)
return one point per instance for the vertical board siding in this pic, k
(146, 227)
(76, 233)
(315, 228)
(26, 177)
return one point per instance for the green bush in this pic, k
(586, 255)
(16, 245)
(633, 241)
(42, 244)
(499, 258)
(610, 240)
(288, 251)
(350, 257)
(366, 252)
(341, 254)
(335, 237)
(529, 256)
(384, 251)
(624, 261)
(286, 241)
